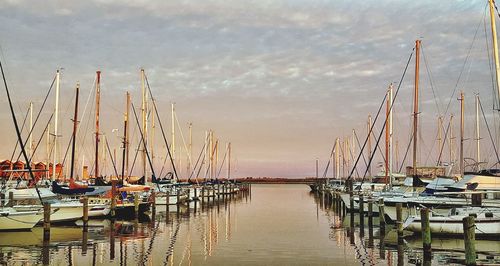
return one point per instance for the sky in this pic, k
(280, 80)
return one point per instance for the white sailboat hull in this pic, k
(13, 220)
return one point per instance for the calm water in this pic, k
(274, 225)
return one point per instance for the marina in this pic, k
(249, 133)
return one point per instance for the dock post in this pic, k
(381, 213)
(218, 190)
(370, 212)
(85, 201)
(361, 205)
(2, 199)
(469, 240)
(399, 220)
(426, 233)
(167, 200)
(153, 202)
(11, 199)
(195, 193)
(46, 221)
(136, 204)
(113, 199)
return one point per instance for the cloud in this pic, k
(280, 78)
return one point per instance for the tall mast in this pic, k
(369, 125)
(173, 131)
(495, 46)
(56, 115)
(30, 146)
(440, 138)
(461, 133)
(190, 151)
(126, 137)
(389, 158)
(75, 123)
(337, 158)
(478, 135)
(205, 153)
(48, 152)
(451, 138)
(152, 140)
(97, 107)
(229, 160)
(388, 137)
(415, 111)
(144, 124)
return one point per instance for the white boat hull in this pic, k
(13, 220)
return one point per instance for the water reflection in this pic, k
(274, 224)
(361, 233)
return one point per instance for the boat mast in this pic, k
(440, 138)
(97, 107)
(190, 151)
(56, 115)
(126, 137)
(495, 46)
(30, 147)
(478, 135)
(337, 158)
(389, 158)
(75, 123)
(388, 138)
(48, 152)
(461, 133)
(369, 146)
(173, 131)
(451, 138)
(415, 111)
(152, 140)
(144, 124)
(229, 160)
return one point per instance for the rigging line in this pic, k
(163, 166)
(222, 164)
(377, 147)
(387, 116)
(352, 157)
(17, 142)
(18, 132)
(83, 137)
(111, 156)
(437, 100)
(442, 147)
(145, 146)
(328, 164)
(161, 127)
(212, 156)
(39, 113)
(490, 64)
(463, 67)
(196, 165)
(182, 137)
(41, 138)
(135, 158)
(407, 151)
(489, 131)
(359, 144)
(136, 151)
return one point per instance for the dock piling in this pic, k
(469, 240)
(426, 232)
(85, 218)
(399, 220)
(46, 221)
